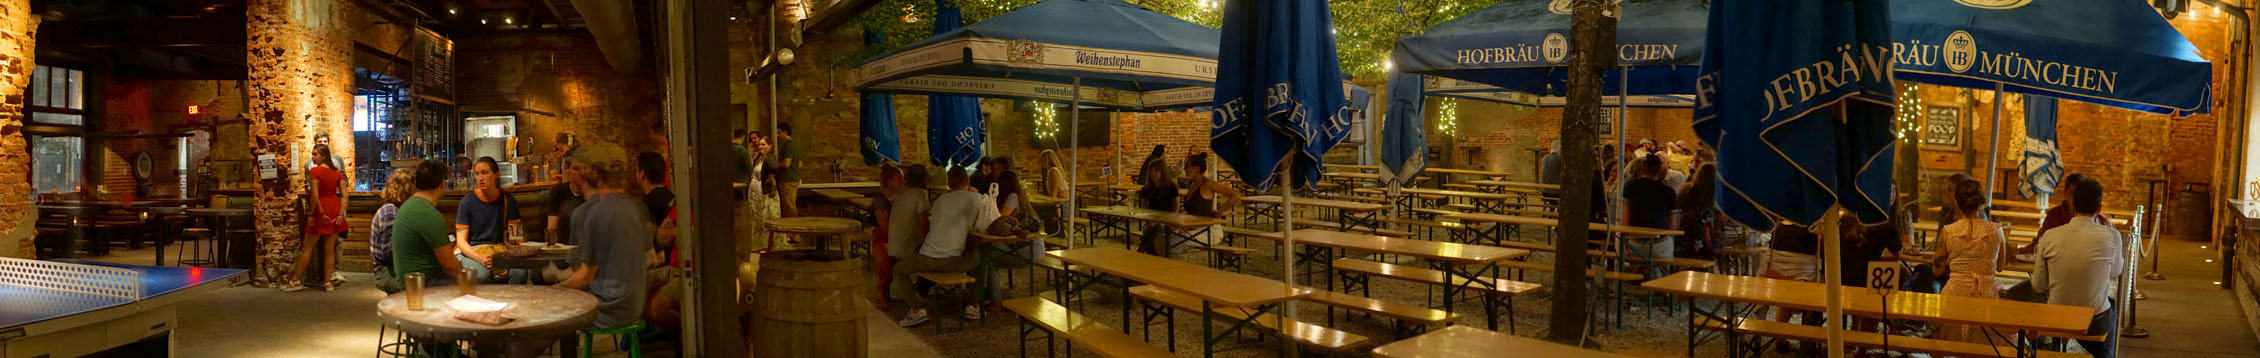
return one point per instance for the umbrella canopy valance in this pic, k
(1523, 46)
(1453, 88)
(1126, 55)
(2112, 52)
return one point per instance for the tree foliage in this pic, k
(1365, 30)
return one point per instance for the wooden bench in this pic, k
(1327, 339)
(1500, 290)
(1227, 257)
(1057, 321)
(1329, 225)
(1549, 267)
(947, 285)
(1764, 328)
(1464, 187)
(1410, 320)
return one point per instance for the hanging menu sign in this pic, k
(434, 66)
(1942, 127)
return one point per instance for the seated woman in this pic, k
(398, 188)
(482, 219)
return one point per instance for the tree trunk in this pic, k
(1592, 41)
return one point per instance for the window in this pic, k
(56, 100)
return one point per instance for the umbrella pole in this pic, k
(1832, 272)
(1994, 154)
(1287, 239)
(1074, 149)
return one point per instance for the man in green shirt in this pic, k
(788, 180)
(743, 161)
(419, 232)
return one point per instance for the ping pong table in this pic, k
(70, 308)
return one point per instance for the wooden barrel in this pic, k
(809, 308)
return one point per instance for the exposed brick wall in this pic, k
(1523, 133)
(563, 74)
(301, 84)
(158, 107)
(17, 23)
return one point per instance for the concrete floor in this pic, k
(2188, 316)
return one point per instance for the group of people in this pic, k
(920, 231)
(615, 208)
(1657, 186)
(2075, 255)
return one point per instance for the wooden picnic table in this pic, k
(1217, 289)
(1041, 200)
(1348, 213)
(1514, 184)
(1189, 228)
(841, 185)
(1628, 230)
(1482, 173)
(837, 194)
(1760, 292)
(1466, 342)
(1353, 167)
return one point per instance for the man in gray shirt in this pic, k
(2077, 263)
(901, 210)
(943, 249)
(614, 241)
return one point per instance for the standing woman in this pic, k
(1971, 250)
(1206, 193)
(325, 222)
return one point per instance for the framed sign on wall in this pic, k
(1942, 128)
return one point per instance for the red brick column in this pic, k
(301, 84)
(17, 24)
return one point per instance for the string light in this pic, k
(1448, 117)
(1910, 111)
(1047, 122)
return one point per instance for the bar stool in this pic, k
(191, 250)
(631, 333)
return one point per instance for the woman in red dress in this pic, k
(324, 223)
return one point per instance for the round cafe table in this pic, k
(538, 312)
(823, 229)
(221, 220)
(540, 259)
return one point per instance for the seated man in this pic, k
(615, 241)
(943, 250)
(419, 239)
(2076, 264)
(664, 308)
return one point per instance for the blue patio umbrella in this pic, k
(1523, 46)
(881, 142)
(1103, 53)
(954, 131)
(2118, 53)
(1824, 140)
(1280, 103)
(1404, 140)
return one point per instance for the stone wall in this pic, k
(563, 76)
(301, 84)
(17, 25)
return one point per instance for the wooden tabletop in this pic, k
(1324, 203)
(813, 225)
(1469, 342)
(1045, 200)
(1353, 167)
(1219, 287)
(2019, 215)
(1514, 184)
(1432, 250)
(1354, 175)
(1458, 193)
(994, 239)
(1988, 312)
(841, 185)
(1525, 220)
(837, 194)
(539, 312)
(1175, 220)
(1465, 172)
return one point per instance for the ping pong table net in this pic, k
(71, 278)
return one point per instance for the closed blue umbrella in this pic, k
(2043, 165)
(954, 130)
(1404, 141)
(881, 142)
(1797, 97)
(1280, 102)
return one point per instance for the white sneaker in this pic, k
(914, 318)
(293, 287)
(973, 313)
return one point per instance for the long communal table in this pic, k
(1460, 261)
(1464, 342)
(1498, 184)
(1218, 289)
(1184, 227)
(1756, 293)
(1485, 202)
(1501, 223)
(1349, 214)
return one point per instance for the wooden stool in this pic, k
(191, 251)
(946, 284)
(1227, 257)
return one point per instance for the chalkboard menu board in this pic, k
(434, 69)
(1942, 127)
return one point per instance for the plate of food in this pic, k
(558, 248)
